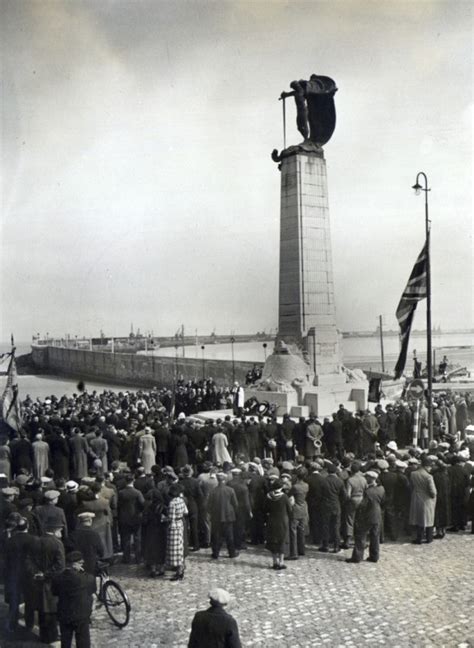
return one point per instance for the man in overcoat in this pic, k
(214, 627)
(74, 588)
(44, 561)
(130, 506)
(333, 495)
(17, 547)
(368, 521)
(223, 507)
(423, 500)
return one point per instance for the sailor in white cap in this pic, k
(215, 626)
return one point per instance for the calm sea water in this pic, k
(364, 350)
(361, 351)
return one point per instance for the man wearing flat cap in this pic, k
(368, 520)
(214, 627)
(49, 514)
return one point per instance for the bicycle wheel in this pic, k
(116, 603)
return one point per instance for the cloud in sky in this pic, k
(137, 178)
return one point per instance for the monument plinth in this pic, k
(307, 315)
(307, 328)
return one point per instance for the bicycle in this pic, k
(113, 597)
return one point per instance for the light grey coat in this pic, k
(423, 498)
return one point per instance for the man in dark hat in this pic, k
(74, 588)
(214, 626)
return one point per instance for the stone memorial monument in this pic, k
(305, 372)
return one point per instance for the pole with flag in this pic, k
(414, 292)
(10, 412)
(418, 287)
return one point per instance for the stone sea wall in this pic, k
(128, 368)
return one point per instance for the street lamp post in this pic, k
(265, 350)
(232, 340)
(203, 364)
(429, 365)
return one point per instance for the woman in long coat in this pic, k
(423, 501)
(443, 499)
(147, 451)
(219, 443)
(154, 532)
(278, 514)
(177, 510)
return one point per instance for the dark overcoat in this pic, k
(214, 628)
(278, 512)
(74, 591)
(443, 497)
(47, 557)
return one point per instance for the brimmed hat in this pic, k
(72, 486)
(371, 474)
(86, 515)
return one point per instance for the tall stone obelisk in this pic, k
(307, 315)
(304, 373)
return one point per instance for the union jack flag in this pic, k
(415, 291)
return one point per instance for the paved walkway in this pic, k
(415, 596)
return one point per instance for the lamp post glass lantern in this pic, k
(429, 353)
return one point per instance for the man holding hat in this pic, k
(74, 588)
(214, 627)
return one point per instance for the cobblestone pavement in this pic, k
(415, 596)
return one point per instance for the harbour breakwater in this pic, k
(132, 368)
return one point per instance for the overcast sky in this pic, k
(137, 179)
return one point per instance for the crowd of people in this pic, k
(104, 475)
